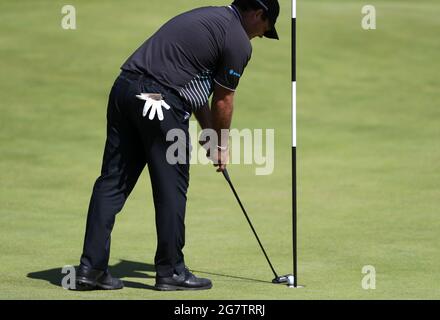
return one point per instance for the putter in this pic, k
(278, 279)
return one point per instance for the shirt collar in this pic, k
(236, 12)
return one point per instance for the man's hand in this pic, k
(220, 159)
(219, 156)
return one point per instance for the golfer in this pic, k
(172, 75)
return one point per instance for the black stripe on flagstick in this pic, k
(293, 49)
(294, 189)
(294, 220)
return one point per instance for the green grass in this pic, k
(368, 154)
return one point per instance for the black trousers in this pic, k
(134, 141)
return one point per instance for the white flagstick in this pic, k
(294, 200)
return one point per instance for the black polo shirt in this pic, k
(193, 50)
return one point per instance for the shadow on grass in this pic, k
(229, 276)
(123, 269)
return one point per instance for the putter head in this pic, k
(282, 279)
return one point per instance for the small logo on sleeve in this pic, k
(234, 73)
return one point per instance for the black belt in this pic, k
(131, 75)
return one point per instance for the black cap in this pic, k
(272, 9)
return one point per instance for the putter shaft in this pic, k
(228, 179)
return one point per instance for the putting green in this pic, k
(368, 154)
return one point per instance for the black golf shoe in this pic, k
(91, 279)
(183, 281)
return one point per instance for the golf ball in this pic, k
(290, 280)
